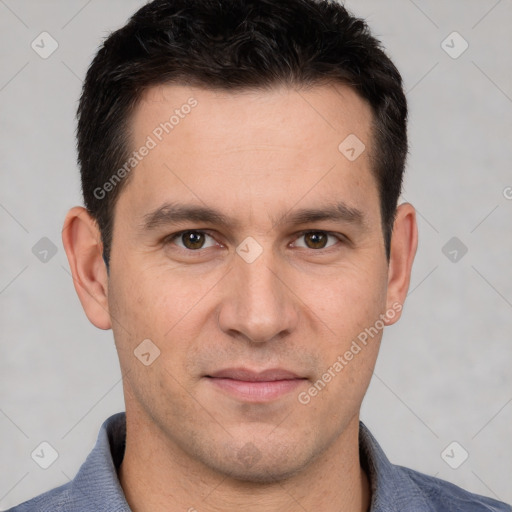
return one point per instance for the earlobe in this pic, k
(82, 242)
(404, 243)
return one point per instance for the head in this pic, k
(241, 164)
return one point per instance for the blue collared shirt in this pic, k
(96, 487)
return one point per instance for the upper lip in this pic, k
(254, 376)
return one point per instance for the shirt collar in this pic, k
(392, 489)
(97, 479)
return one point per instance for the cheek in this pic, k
(133, 309)
(348, 299)
(160, 305)
(156, 322)
(347, 313)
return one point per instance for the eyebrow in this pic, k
(174, 213)
(339, 212)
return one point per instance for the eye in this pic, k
(317, 239)
(192, 240)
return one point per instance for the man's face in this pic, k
(266, 291)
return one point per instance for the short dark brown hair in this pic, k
(235, 45)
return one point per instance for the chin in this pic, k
(264, 463)
(261, 473)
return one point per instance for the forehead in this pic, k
(320, 109)
(251, 150)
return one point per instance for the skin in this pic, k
(254, 156)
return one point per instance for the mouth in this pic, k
(255, 386)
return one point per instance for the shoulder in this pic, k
(59, 499)
(444, 496)
(399, 488)
(96, 485)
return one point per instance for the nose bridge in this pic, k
(258, 304)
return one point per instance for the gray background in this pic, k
(444, 369)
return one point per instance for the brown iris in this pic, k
(193, 239)
(317, 238)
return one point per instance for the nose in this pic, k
(258, 305)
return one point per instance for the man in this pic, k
(241, 164)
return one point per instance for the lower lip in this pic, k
(256, 391)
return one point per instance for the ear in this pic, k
(404, 242)
(82, 242)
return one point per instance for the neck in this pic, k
(157, 475)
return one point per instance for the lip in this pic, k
(247, 375)
(255, 386)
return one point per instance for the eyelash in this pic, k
(170, 238)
